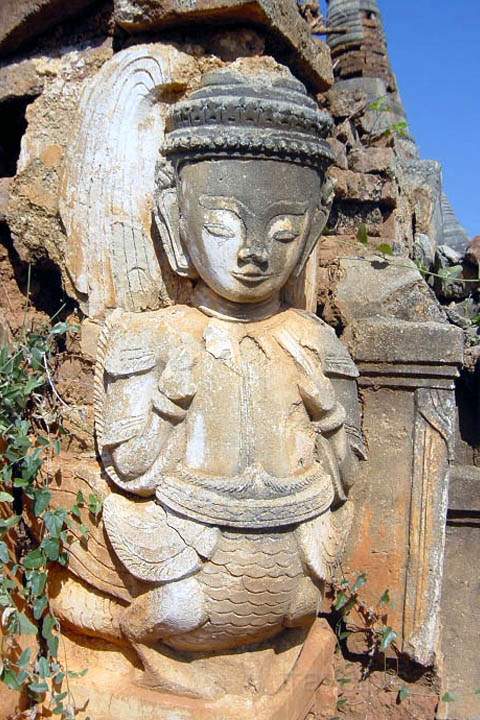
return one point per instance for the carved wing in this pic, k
(91, 558)
(322, 540)
(148, 546)
(107, 195)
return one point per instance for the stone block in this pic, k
(20, 79)
(363, 188)
(372, 160)
(310, 58)
(372, 286)
(400, 342)
(21, 20)
(307, 688)
(407, 372)
(340, 153)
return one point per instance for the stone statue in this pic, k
(229, 428)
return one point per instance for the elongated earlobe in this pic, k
(317, 224)
(167, 219)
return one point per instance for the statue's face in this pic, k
(245, 223)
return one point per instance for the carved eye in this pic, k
(285, 236)
(218, 230)
(286, 228)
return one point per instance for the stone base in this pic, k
(112, 691)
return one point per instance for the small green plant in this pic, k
(381, 106)
(34, 534)
(378, 635)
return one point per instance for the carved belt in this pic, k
(255, 499)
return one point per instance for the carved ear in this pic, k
(317, 224)
(167, 219)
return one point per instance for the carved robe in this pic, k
(240, 436)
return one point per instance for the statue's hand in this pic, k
(138, 439)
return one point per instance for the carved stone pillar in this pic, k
(407, 373)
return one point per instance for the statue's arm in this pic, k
(145, 387)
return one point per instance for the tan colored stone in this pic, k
(340, 153)
(23, 19)
(5, 184)
(311, 59)
(372, 160)
(363, 188)
(20, 79)
(33, 209)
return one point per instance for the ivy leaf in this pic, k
(42, 500)
(37, 583)
(359, 582)
(403, 694)
(388, 637)
(34, 560)
(51, 547)
(60, 328)
(341, 601)
(39, 607)
(54, 521)
(95, 504)
(43, 667)
(25, 626)
(38, 688)
(10, 679)
(24, 658)
(3, 552)
(5, 497)
(385, 599)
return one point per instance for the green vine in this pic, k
(34, 534)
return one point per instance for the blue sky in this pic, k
(435, 52)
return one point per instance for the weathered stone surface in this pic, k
(373, 286)
(460, 617)
(372, 160)
(311, 59)
(23, 19)
(405, 342)
(33, 213)
(363, 188)
(22, 79)
(339, 151)
(409, 368)
(4, 196)
(310, 687)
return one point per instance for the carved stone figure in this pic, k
(229, 429)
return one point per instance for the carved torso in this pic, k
(226, 427)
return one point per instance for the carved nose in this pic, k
(256, 255)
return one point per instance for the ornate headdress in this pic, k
(236, 115)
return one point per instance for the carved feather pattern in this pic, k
(146, 545)
(322, 540)
(107, 195)
(90, 558)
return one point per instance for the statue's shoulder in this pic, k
(131, 343)
(315, 333)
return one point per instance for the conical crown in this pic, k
(233, 115)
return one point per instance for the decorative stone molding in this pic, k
(407, 374)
